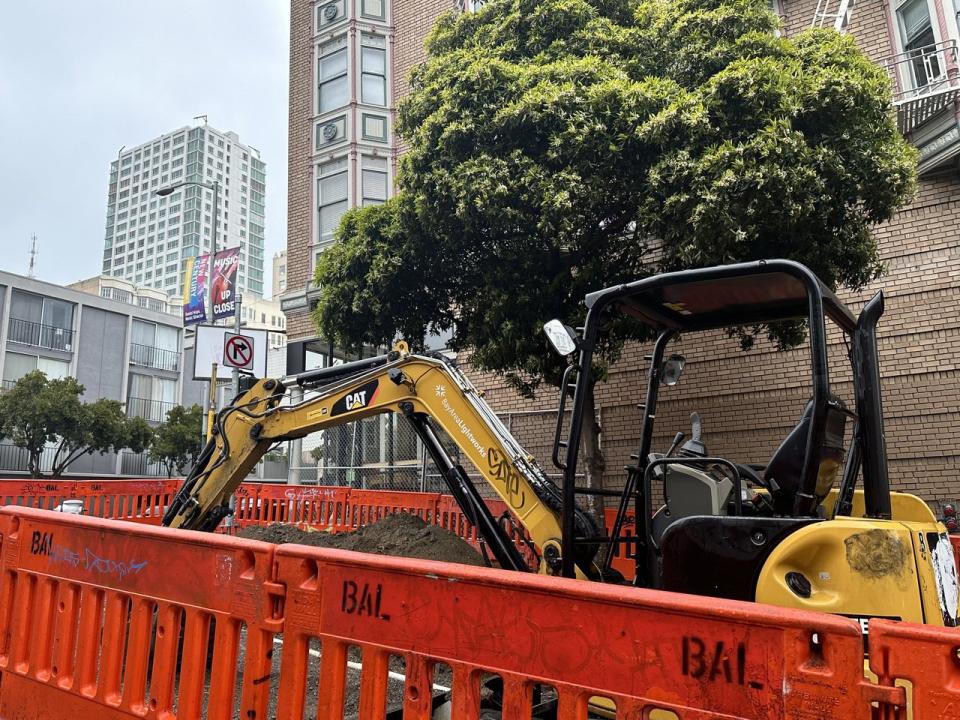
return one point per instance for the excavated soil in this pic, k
(398, 535)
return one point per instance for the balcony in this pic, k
(153, 357)
(154, 411)
(25, 332)
(926, 81)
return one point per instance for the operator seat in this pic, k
(783, 473)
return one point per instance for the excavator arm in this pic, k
(429, 392)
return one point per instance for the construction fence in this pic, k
(112, 620)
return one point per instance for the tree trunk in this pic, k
(594, 463)
(33, 464)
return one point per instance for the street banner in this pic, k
(195, 290)
(225, 268)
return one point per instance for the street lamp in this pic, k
(215, 187)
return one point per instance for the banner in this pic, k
(195, 290)
(225, 268)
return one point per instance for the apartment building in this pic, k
(746, 413)
(149, 237)
(279, 274)
(116, 349)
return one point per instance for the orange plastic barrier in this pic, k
(643, 650)
(100, 619)
(111, 620)
(139, 500)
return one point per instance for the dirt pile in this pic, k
(398, 535)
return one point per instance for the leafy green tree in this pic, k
(176, 442)
(37, 412)
(557, 147)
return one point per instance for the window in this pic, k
(374, 181)
(332, 196)
(332, 75)
(373, 70)
(16, 365)
(919, 44)
(374, 127)
(372, 9)
(41, 321)
(151, 397)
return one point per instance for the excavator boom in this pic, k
(428, 391)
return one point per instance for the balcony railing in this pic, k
(25, 332)
(153, 357)
(926, 81)
(7, 385)
(154, 411)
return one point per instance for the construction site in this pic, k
(718, 483)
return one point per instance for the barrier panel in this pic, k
(652, 654)
(118, 621)
(132, 500)
(111, 620)
(924, 659)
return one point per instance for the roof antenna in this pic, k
(32, 270)
(201, 117)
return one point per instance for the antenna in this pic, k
(201, 117)
(32, 270)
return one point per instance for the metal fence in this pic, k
(384, 453)
(25, 332)
(154, 357)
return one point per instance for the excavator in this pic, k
(816, 527)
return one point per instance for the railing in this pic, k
(8, 384)
(140, 464)
(925, 80)
(25, 332)
(150, 410)
(154, 357)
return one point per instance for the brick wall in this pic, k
(299, 205)
(750, 401)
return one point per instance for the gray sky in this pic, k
(80, 79)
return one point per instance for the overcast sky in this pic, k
(80, 79)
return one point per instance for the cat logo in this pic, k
(356, 399)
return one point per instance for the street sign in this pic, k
(208, 345)
(238, 351)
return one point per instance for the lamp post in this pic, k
(215, 187)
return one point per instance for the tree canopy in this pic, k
(559, 146)
(176, 441)
(37, 412)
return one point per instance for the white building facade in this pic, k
(149, 238)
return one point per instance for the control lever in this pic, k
(694, 446)
(676, 443)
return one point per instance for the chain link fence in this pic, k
(384, 453)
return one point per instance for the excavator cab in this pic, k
(789, 531)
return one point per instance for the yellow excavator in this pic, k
(796, 532)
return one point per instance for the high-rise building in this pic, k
(279, 274)
(915, 41)
(341, 150)
(148, 238)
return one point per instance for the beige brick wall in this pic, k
(749, 401)
(299, 206)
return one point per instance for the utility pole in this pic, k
(235, 384)
(32, 270)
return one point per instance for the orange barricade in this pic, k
(109, 620)
(642, 650)
(139, 500)
(927, 658)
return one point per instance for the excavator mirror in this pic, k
(562, 337)
(672, 370)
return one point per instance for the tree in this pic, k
(557, 147)
(176, 442)
(37, 412)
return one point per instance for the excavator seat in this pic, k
(783, 473)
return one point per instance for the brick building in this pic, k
(749, 401)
